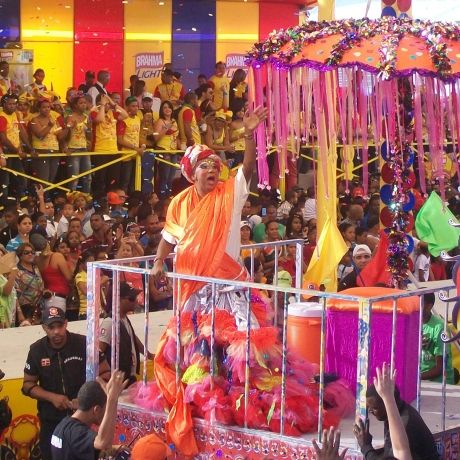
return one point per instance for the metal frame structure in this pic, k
(364, 333)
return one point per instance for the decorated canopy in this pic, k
(344, 86)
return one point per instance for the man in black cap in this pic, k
(130, 345)
(54, 372)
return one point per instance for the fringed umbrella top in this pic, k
(387, 46)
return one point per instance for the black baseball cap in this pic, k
(53, 315)
(126, 290)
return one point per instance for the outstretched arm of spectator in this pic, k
(330, 448)
(106, 431)
(385, 385)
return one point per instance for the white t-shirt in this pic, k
(241, 194)
(309, 211)
(63, 226)
(422, 262)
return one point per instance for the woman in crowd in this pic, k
(48, 130)
(29, 284)
(81, 279)
(246, 238)
(9, 314)
(294, 226)
(166, 135)
(77, 142)
(238, 88)
(237, 126)
(126, 251)
(347, 231)
(24, 229)
(217, 136)
(267, 255)
(56, 275)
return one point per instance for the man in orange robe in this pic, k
(203, 223)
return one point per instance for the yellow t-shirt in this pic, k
(221, 86)
(188, 114)
(50, 141)
(105, 133)
(130, 129)
(169, 92)
(9, 124)
(81, 277)
(169, 140)
(77, 139)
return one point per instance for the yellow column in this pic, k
(326, 10)
(47, 29)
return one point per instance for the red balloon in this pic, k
(389, 2)
(410, 181)
(403, 5)
(410, 223)
(387, 173)
(386, 216)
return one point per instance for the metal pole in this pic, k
(420, 344)
(178, 334)
(213, 337)
(275, 283)
(92, 324)
(146, 322)
(393, 335)
(247, 363)
(322, 359)
(364, 325)
(298, 268)
(115, 358)
(284, 367)
(444, 368)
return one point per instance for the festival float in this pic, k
(387, 84)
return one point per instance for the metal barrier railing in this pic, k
(364, 326)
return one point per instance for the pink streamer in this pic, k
(418, 118)
(364, 135)
(284, 122)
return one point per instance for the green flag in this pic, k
(432, 225)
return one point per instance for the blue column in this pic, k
(9, 21)
(193, 39)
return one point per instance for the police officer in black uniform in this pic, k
(54, 372)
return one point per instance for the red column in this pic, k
(277, 15)
(99, 40)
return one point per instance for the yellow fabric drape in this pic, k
(330, 244)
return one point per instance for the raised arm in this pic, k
(385, 385)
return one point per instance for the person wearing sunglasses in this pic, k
(29, 284)
(130, 345)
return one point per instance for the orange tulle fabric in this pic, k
(201, 227)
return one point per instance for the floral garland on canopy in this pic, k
(284, 46)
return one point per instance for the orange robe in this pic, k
(201, 228)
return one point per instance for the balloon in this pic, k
(386, 216)
(385, 193)
(384, 151)
(389, 11)
(387, 173)
(410, 180)
(409, 205)
(410, 243)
